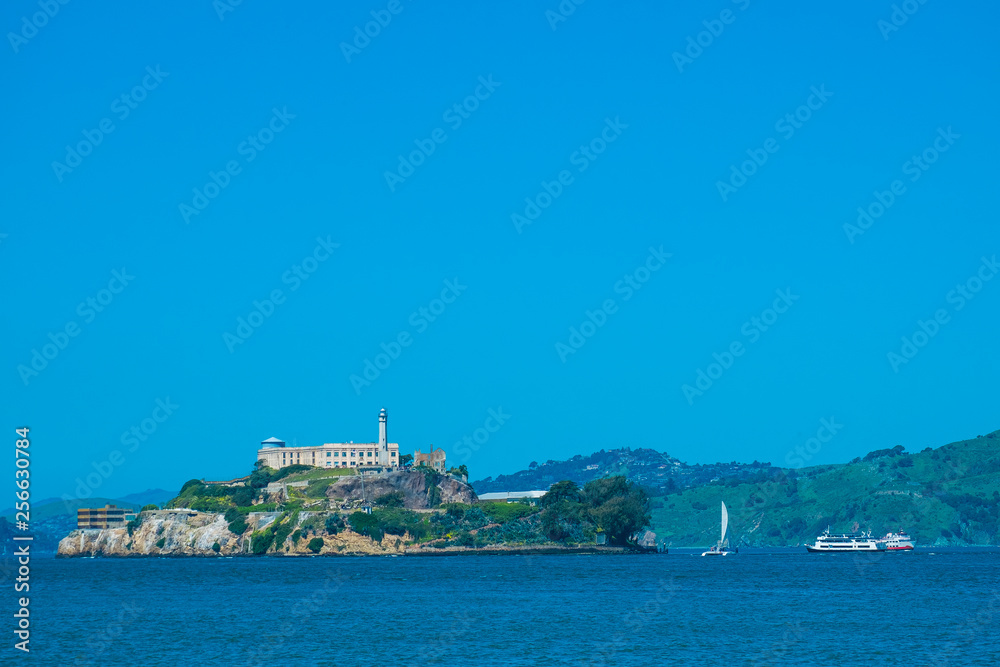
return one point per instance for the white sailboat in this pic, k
(722, 548)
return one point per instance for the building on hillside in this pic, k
(511, 496)
(382, 454)
(432, 459)
(108, 516)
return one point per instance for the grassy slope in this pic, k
(318, 473)
(877, 495)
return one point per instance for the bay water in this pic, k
(929, 607)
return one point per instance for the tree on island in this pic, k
(612, 504)
(405, 459)
(620, 507)
(565, 490)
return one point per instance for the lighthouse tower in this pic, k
(383, 440)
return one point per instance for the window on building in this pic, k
(394, 455)
(352, 454)
(328, 455)
(369, 453)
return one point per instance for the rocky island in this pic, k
(304, 511)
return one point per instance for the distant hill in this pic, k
(944, 496)
(659, 472)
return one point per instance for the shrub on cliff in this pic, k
(261, 541)
(262, 475)
(243, 496)
(398, 521)
(465, 539)
(160, 542)
(283, 528)
(281, 534)
(555, 527)
(194, 484)
(393, 499)
(238, 525)
(147, 508)
(362, 522)
(260, 478)
(315, 544)
(455, 510)
(475, 517)
(210, 504)
(431, 479)
(335, 524)
(367, 524)
(216, 547)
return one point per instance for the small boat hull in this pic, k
(717, 552)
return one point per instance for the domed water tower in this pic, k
(271, 443)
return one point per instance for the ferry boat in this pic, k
(846, 542)
(898, 541)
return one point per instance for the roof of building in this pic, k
(340, 444)
(271, 440)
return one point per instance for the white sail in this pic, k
(725, 525)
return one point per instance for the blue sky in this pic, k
(642, 140)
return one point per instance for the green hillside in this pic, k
(949, 495)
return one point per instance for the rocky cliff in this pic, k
(188, 533)
(166, 532)
(421, 490)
